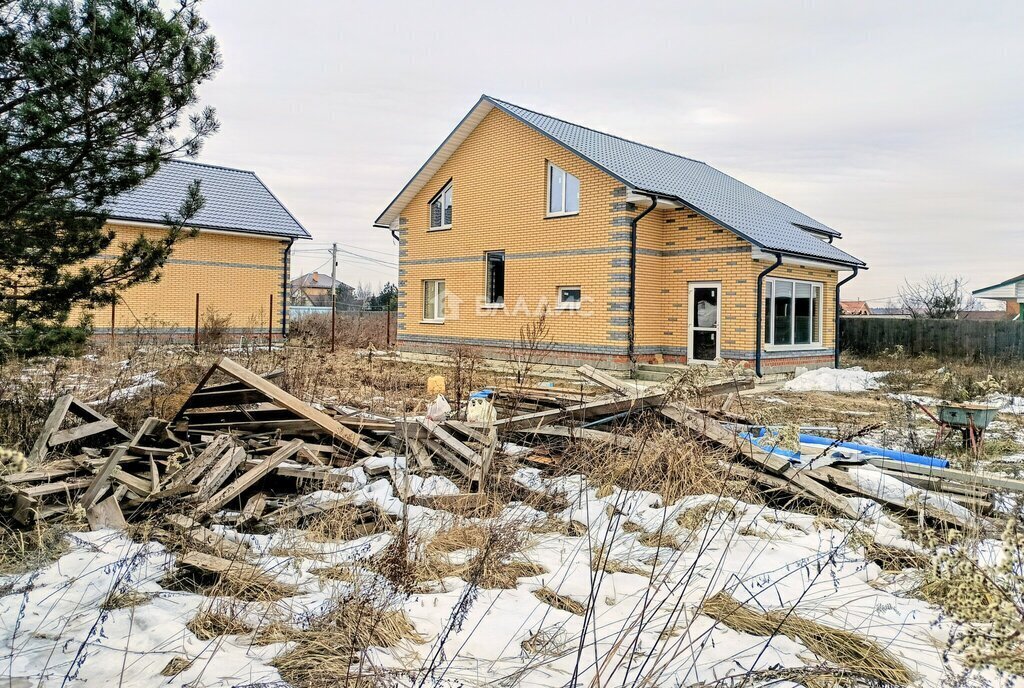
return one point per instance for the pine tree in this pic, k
(94, 97)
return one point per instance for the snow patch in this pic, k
(835, 380)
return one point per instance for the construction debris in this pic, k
(242, 450)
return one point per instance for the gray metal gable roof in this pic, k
(236, 200)
(757, 217)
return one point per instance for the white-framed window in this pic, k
(563, 192)
(569, 298)
(433, 300)
(494, 278)
(441, 208)
(792, 313)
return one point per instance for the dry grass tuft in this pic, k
(599, 561)
(459, 537)
(339, 572)
(238, 585)
(892, 558)
(698, 516)
(176, 666)
(345, 523)
(325, 651)
(660, 541)
(572, 528)
(124, 600)
(562, 602)
(666, 461)
(27, 549)
(850, 651)
(210, 623)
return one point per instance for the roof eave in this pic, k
(214, 228)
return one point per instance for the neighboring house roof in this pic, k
(890, 311)
(982, 315)
(855, 308)
(1012, 288)
(760, 219)
(316, 280)
(236, 200)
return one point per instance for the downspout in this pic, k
(631, 347)
(838, 311)
(284, 288)
(758, 308)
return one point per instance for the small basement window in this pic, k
(494, 284)
(563, 192)
(433, 300)
(569, 298)
(441, 208)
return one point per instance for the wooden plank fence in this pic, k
(972, 339)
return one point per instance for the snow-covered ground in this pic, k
(645, 624)
(854, 379)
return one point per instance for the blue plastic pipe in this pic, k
(893, 454)
(788, 453)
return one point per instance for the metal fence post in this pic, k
(195, 334)
(270, 326)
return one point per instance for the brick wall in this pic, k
(234, 275)
(499, 177)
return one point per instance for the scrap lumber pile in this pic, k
(228, 447)
(242, 450)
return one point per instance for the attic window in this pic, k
(441, 208)
(563, 192)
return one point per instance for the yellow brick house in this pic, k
(632, 254)
(237, 263)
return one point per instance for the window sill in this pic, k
(432, 322)
(565, 307)
(492, 306)
(795, 347)
(439, 229)
(552, 216)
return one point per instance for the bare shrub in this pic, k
(214, 328)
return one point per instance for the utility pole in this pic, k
(334, 290)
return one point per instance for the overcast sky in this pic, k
(899, 124)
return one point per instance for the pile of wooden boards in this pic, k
(242, 449)
(226, 442)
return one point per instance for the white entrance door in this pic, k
(705, 306)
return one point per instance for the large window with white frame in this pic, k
(433, 300)
(441, 208)
(563, 192)
(792, 313)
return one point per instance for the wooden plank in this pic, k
(249, 478)
(105, 514)
(99, 483)
(469, 471)
(470, 432)
(209, 563)
(66, 486)
(50, 426)
(86, 412)
(611, 382)
(219, 473)
(420, 454)
(446, 438)
(139, 486)
(204, 537)
(834, 476)
(195, 468)
(613, 438)
(297, 406)
(716, 432)
(253, 509)
(978, 479)
(81, 432)
(40, 474)
(581, 412)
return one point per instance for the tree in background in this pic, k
(933, 297)
(93, 98)
(385, 300)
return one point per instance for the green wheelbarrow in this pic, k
(970, 419)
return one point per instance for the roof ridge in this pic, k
(499, 101)
(206, 164)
